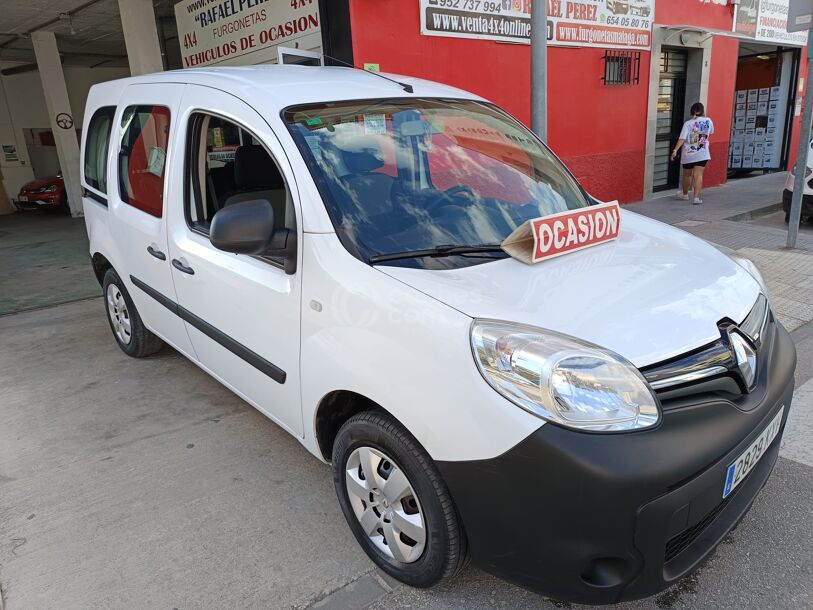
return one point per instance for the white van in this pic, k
(330, 244)
(807, 191)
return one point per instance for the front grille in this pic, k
(678, 543)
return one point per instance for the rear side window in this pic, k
(96, 144)
(142, 157)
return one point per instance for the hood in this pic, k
(35, 185)
(654, 293)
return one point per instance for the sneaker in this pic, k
(696, 201)
(682, 196)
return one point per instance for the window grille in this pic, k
(622, 67)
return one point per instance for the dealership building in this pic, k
(622, 74)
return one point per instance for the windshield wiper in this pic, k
(436, 252)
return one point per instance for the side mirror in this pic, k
(248, 228)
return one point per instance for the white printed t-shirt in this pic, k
(696, 134)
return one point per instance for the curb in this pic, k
(758, 213)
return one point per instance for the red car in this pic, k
(45, 193)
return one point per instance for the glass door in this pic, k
(671, 102)
(287, 55)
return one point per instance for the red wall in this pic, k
(598, 131)
(720, 106)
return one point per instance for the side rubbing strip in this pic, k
(168, 303)
(219, 337)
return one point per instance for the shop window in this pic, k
(226, 165)
(95, 147)
(142, 157)
(622, 67)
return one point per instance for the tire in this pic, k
(128, 329)
(63, 203)
(787, 217)
(392, 450)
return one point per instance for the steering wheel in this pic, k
(451, 196)
(460, 189)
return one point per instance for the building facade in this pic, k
(615, 130)
(622, 74)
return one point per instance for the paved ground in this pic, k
(43, 261)
(145, 484)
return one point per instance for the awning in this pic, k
(709, 32)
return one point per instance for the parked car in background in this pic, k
(333, 245)
(640, 8)
(807, 192)
(621, 7)
(44, 194)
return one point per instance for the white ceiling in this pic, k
(88, 32)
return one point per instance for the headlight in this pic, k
(49, 189)
(562, 379)
(808, 171)
(751, 268)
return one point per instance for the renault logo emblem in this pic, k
(745, 356)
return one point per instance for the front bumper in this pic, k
(600, 518)
(38, 200)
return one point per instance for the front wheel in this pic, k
(395, 502)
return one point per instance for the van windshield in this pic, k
(411, 175)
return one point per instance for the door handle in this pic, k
(181, 267)
(157, 253)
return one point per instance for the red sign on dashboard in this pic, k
(551, 236)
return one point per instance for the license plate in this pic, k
(749, 458)
(23, 197)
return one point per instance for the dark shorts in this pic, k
(695, 164)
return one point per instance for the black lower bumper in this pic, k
(600, 518)
(807, 203)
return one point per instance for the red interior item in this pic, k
(146, 188)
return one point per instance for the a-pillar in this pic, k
(141, 36)
(60, 115)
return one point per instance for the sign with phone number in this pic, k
(582, 23)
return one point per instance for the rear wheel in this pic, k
(787, 217)
(131, 335)
(63, 202)
(395, 502)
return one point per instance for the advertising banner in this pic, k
(767, 21)
(583, 23)
(244, 31)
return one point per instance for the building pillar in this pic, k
(59, 114)
(5, 204)
(141, 36)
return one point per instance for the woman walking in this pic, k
(694, 140)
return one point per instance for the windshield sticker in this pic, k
(547, 237)
(315, 145)
(375, 124)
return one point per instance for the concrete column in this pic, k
(60, 115)
(141, 36)
(5, 204)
